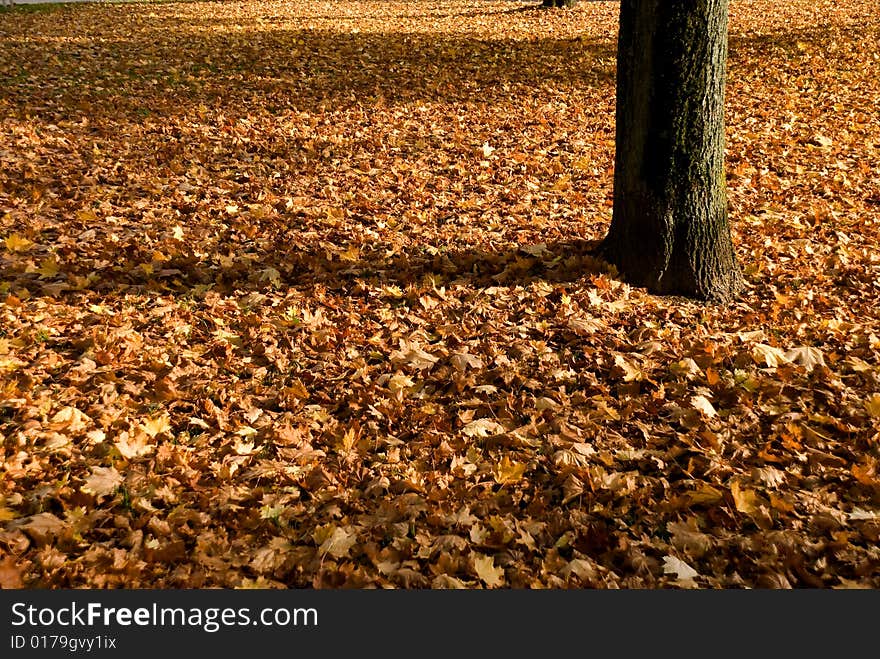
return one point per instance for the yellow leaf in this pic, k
(49, 267)
(603, 407)
(351, 254)
(705, 495)
(349, 438)
(7, 514)
(583, 164)
(17, 243)
(563, 184)
(177, 233)
(485, 568)
(508, 472)
(157, 425)
(630, 371)
(398, 383)
(86, 215)
(227, 337)
(872, 405)
(393, 291)
(746, 501)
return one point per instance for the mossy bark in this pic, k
(669, 230)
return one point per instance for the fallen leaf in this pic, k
(745, 500)
(806, 356)
(43, 528)
(16, 243)
(872, 405)
(768, 355)
(482, 428)
(687, 538)
(102, 481)
(156, 425)
(702, 404)
(487, 571)
(10, 574)
(683, 572)
(507, 472)
(338, 543)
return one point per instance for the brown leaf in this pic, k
(102, 481)
(10, 574)
(487, 571)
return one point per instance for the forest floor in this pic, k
(300, 294)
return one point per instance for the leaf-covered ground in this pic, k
(300, 294)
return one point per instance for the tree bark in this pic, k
(669, 230)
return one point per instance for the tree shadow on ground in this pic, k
(174, 71)
(557, 262)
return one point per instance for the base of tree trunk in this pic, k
(669, 228)
(700, 273)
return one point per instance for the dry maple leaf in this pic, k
(43, 528)
(462, 361)
(71, 419)
(102, 481)
(506, 471)
(768, 355)
(630, 371)
(687, 538)
(684, 573)
(10, 574)
(133, 445)
(872, 405)
(482, 428)
(746, 501)
(806, 356)
(156, 425)
(413, 356)
(338, 542)
(703, 405)
(487, 571)
(16, 243)
(385, 252)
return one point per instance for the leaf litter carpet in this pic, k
(301, 294)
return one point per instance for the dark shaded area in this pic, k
(304, 267)
(168, 72)
(165, 71)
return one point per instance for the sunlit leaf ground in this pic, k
(300, 294)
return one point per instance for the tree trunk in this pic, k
(669, 230)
